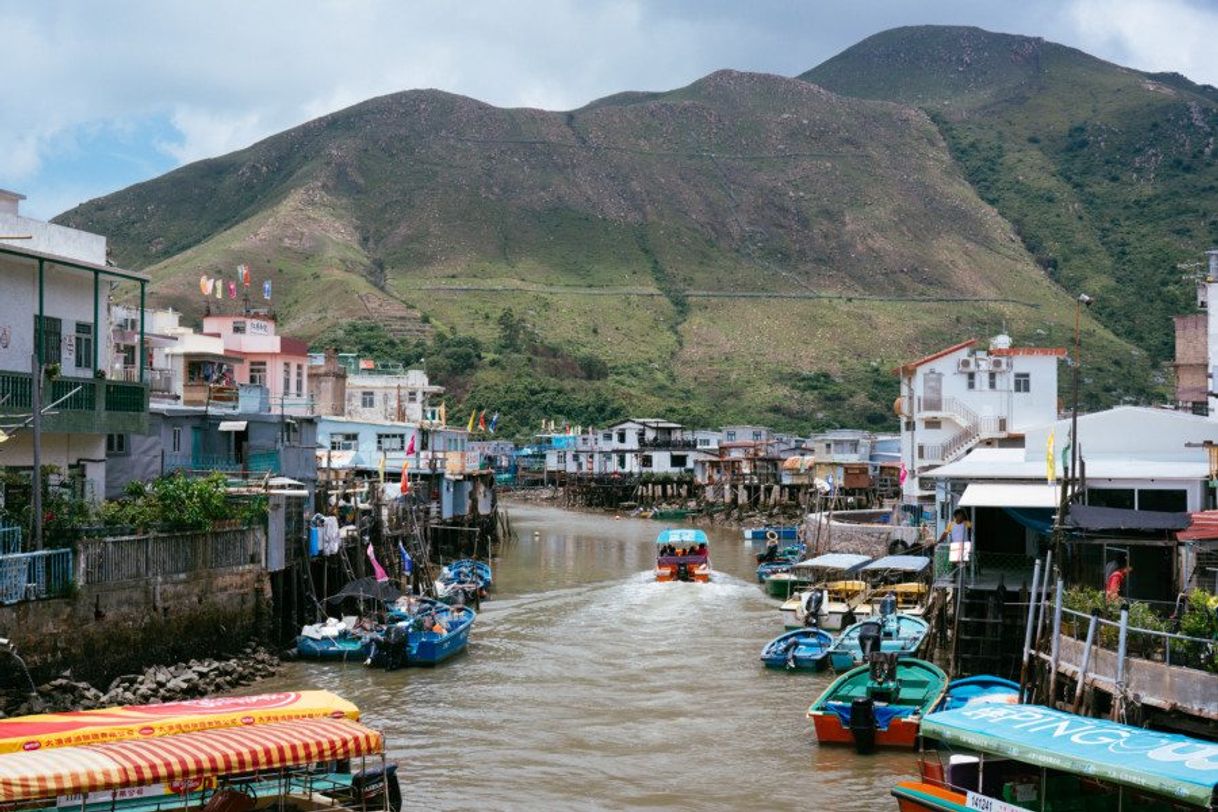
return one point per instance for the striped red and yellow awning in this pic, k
(142, 762)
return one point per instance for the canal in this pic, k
(589, 686)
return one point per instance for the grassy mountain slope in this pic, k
(716, 245)
(1109, 175)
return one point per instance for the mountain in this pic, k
(1109, 175)
(749, 247)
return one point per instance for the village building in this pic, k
(1196, 344)
(343, 385)
(264, 358)
(964, 396)
(55, 286)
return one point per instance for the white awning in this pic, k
(233, 425)
(999, 494)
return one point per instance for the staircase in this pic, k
(973, 427)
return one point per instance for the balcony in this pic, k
(674, 443)
(87, 405)
(205, 394)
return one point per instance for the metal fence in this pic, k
(10, 540)
(1168, 648)
(32, 576)
(104, 561)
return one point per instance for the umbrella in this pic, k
(368, 589)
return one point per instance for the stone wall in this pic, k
(106, 630)
(823, 534)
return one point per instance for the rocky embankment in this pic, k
(159, 683)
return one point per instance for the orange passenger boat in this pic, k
(682, 555)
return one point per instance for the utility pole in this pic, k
(36, 479)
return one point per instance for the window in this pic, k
(756, 435)
(621, 461)
(52, 339)
(116, 445)
(933, 424)
(607, 437)
(1201, 407)
(238, 327)
(621, 436)
(1111, 497)
(560, 457)
(391, 442)
(84, 345)
(344, 442)
(412, 396)
(367, 399)
(258, 373)
(703, 442)
(729, 436)
(970, 380)
(645, 461)
(176, 443)
(1023, 382)
(680, 460)
(287, 380)
(299, 380)
(1169, 501)
(993, 380)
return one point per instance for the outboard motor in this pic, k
(370, 789)
(395, 647)
(862, 725)
(869, 639)
(813, 601)
(683, 572)
(888, 605)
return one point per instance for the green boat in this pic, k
(880, 704)
(783, 585)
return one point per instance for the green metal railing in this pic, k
(126, 397)
(79, 404)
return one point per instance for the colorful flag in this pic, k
(245, 275)
(232, 290)
(482, 421)
(473, 416)
(407, 561)
(204, 288)
(904, 475)
(1050, 460)
(410, 448)
(377, 569)
(381, 468)
(405, 486)
(494, 422)
(266, 290)
(219, 288)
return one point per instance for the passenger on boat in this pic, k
(771, 552)
(702, 548)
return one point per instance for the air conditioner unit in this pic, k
(967, 365)
(999, 364)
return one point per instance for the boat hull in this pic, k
(308, 648)
(918, 796)
(425, 651)
(902, 732)
(669, 574)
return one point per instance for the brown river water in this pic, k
(587, 685)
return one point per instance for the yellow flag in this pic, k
(443, 414)
(381, 468)
(472, 417)
(1050, 465)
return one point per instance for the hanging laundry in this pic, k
(377, 569)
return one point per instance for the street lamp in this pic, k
(1082, 301)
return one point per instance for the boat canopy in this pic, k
(1167, 763)
(902, 563)
(846, 562)
(26, 776)
(681, 536)
(46, 730)
(367, 589)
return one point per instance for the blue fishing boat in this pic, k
(334, 639)
(467, 569)
(770, 532)
(429, 634)
(800, 650)
(768, 568)
(983, 688)
(891, 633)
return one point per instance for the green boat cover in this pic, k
(1167, 763)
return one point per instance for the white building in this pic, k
(55, 287)
(963, 396)
(382, 395)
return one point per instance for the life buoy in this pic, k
(771, 535)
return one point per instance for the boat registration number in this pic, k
(985, 803)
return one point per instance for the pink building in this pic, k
(279, 363)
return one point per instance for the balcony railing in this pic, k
(80, 404)
(255, 462)
(675, 443)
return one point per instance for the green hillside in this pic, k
(1109, 175)
(749, 247)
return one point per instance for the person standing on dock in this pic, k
(1115, 582)
(959, 532)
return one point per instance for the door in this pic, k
(932, 392)
(196, 446)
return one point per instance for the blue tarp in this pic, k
(884, 714)
(1166, 763)
(1037, 519)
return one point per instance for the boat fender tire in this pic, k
(897, 546)
(771, 535)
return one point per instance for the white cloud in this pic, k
(1166, 35)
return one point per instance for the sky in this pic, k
(100, 95)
